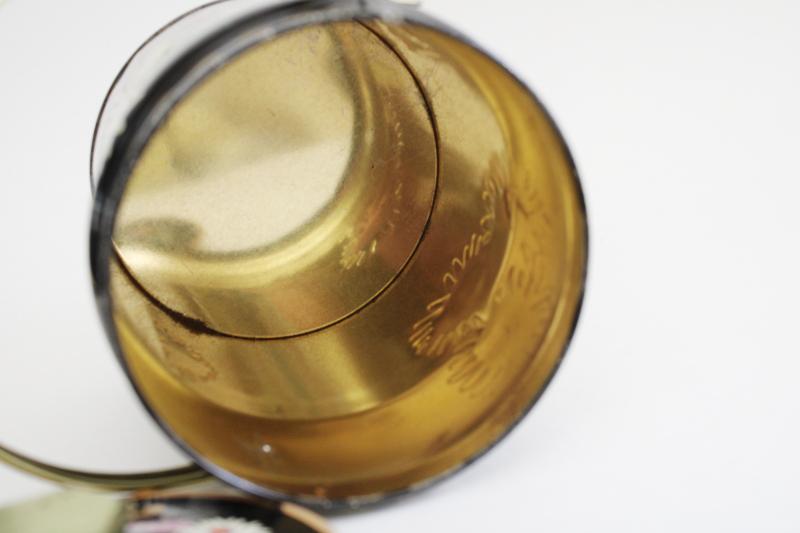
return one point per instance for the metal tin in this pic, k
(422, 298)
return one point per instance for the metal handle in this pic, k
(126, 482)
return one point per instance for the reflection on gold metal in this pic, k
(305, 168)
(348, 261)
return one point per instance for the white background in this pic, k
(678, 407)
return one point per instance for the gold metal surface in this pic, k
(349, 261)
(287, 191)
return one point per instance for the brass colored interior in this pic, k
(287, 193)
(349, 260)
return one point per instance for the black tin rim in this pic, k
(150, 112)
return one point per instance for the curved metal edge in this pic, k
(125, 482)
(153, 109)
(121, 73)
(393, 5)
(94, 480)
